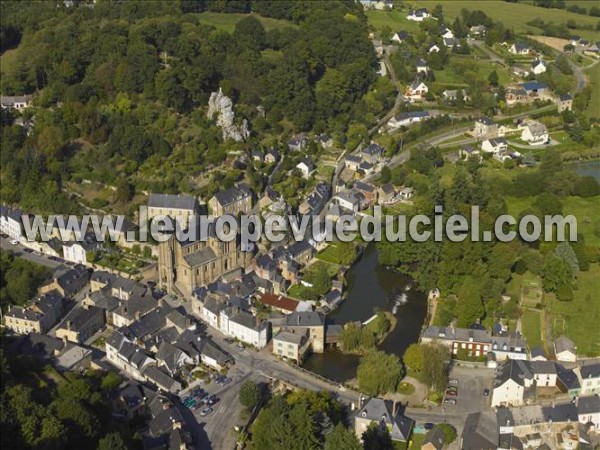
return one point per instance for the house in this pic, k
(484, 126)
(122, 353)
(514, 383)
(516, 95)
(280, 303)
(67, 282)
(494, 145)
(18, 102)
(544, 373)
(81, 324)
(300, 252)
(416, 90)
(509, 345)
(451, 95)
(468, 151)
(474, 342)
(535, 89)
(422, 66)
(564, 102)
(78, 251)
(386, 194)
(588, 410)
(272, 156)
(352, 162)
(589, 376)
(480, 432)
(386, 414)
(233, 201)
(451, 42)
(400, 36)
(38, 317)
(348, 201)
(372, 153)
(538, 66)
(535, 134)
(434, 440)
(406, 193)
(538, 353)
(133, 399)
(477, 31)
(520, 71)
(565, 349)
(366, 189)
(418, 15)
(242, 325)
(446, 33)
(291, 346)
(567, 381)
(118, 286)
(161, 379)
(433, 48)
(178, 207)
(405, 119)
(298, 142)
(11, 222)
(304, 322)
(73, 357)
(519, 48)
(324, 140)
(132, 309)
(306, 167)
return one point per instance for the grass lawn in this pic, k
(342, 253)
(7, 62)
(416, 441)
(593, 75)
(227, 22)
(579, 318)
(584, 209)
(532, 328)
(395, 20)
(514, 15)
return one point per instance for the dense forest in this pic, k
(124, 85)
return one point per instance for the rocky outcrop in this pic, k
(222, 106)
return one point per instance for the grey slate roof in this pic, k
(381, 411)
(200, 257)
(563, 343)
(480, 431)
(232, 195)
(304, 319)
(172, 201)
(588, 405)
(82, 318)
(590, 369)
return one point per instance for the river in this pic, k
(587, 169)
(370, 285)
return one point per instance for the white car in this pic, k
(13, 242)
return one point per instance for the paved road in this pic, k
(493, 56)
(19, 250)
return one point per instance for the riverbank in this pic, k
(372, 328)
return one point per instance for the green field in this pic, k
(513, 15)
(584, 209)
(579, 319)
(7, 62)
(531, 327)
(483, 68)
(226, 22)
(395, 20)
(593, 75)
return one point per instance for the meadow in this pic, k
(227, 22)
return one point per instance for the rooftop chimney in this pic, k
(69, 324)
(394, 411)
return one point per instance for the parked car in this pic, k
(453, 382)
(151, 283)
(227, 380)
(13, 242)
(27, 250)
(486, 392)
(36, 253)
(428, 426)
(450, 401)
(452, 393)
(228, 340)
(241, 347)
(206, 411)
(212, 400)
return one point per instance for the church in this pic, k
(190, 264)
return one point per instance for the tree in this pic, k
(386, 175)
(250, 32)
(250, 395)
(112, 441)
(125, 191)
(377, 438)
(493, 78)
(414, 357)
(434, 372)
(449, 432)
(379, 373)
(342, 439)
(566, 252)
(548, 204)
(556, 273)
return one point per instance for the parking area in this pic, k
(469, 384)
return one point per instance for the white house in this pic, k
(589, 376)
(126, 356)
(18, 102)
(544, 373)
(588, 410)
(513, 379)
(407, 118)
(77, 251)
(418, 15)
(348, 201)
(484, 126)
(11, 222)
(422, 66)
(245, 327)
(565, 349)
(306, 166)
(535, 134)
(538, 66)
(433, 49)
(452, 95)
(400, 36)
(519, 48)
(446, 33)
(416, 90)
(494, 145)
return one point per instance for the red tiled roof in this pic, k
(279, 301)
